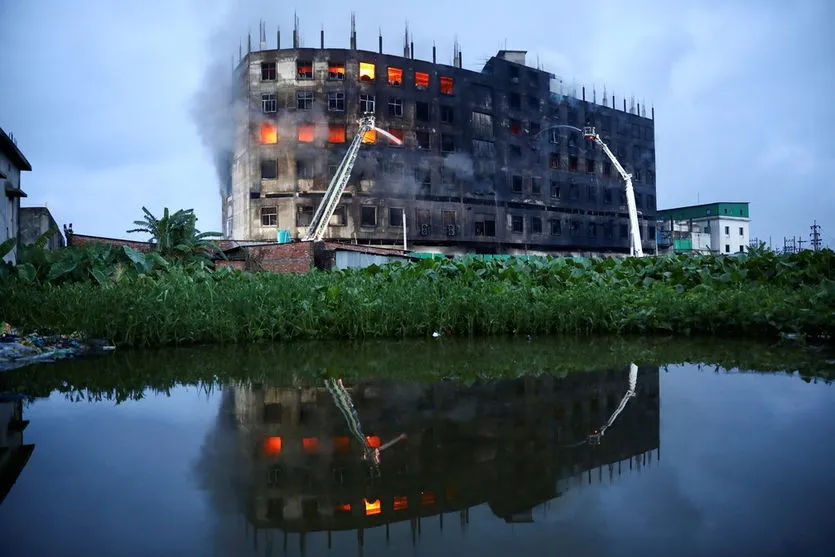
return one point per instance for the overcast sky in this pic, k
(100, 93)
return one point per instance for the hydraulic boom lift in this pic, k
(637, 249)
(594, 438)
(316, 229)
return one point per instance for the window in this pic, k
(447, 143)
(336, 71)
(556, 227)
(533, 128)
(395, 216)
(517, 224)
(398, 133)
(484, 149)
(516, 184)
(267, 71)
(741, 232)
(515, 127)
(269, 216)
(450, 220)
(336, 101)
(607, 196)
(304, 100)
(741, 249)
(572, 163)
(651, 233)
(269, 133)
(727, 231)
(367, 104)
(370, 136)
(422, 111)
(555, 190)
(536, 225)
(339, 217)
(269, 169)
(395, 77)
(624, 231)
(608, 231)
(482, 124)
(304, 169)
(574, 228)
(514, 100)
(447, 114)
(592, 194)
(421, 81)
(268, 103)
(592, 230)
(368, 72)
(484, 226)
(533, 102)
(336, 134)
(590, 166)
(554, 160)
(368, 216)
(304, 214)
(396, 107)
(307, 132)
(446, 85)
(422, 140)
(727, 248)
(304, 70)
(514, 151)
(536, 185)
(607, 168)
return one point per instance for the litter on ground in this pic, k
(18, 350)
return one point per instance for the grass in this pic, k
(127, 374)
(757, 296)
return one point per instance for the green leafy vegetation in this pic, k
(758, 295)
(175, 235)
(128, 374)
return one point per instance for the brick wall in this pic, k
(74, 239)
(296, 257)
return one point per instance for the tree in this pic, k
(176, 235)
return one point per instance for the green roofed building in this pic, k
(720, 227)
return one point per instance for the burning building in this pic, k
(481, 168)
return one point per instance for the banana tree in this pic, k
(176, 234)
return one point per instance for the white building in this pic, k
(12, 163)
(721, 228)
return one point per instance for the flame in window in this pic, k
(421, 80)
(336, 71)
(336, 134)
(395, 76)
(310, 444)
(372, 507)
(446, 85)
(427, 498)
(272, 446)
(307, 133)
(398, 133)
(368, 72)
(341, 443)
(370, 136)
(269, 133)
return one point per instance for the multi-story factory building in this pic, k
(481, 168)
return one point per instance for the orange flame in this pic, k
(373, 441)
(421, 80)
(272, 446)
(310, 444)
(446, 85)
(336, 134)
(370, 136)
(306, 133)
(401, 503)
(372, 507)
(269, 133)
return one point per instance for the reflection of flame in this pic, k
(272, 446)
(373, 441)
(345, 508)
(269, 133)
(310, 444)
(341, 443)
(401, 503)
(372, 507)
(427, 498)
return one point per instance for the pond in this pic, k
(500, 447)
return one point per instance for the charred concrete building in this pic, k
(482, 169)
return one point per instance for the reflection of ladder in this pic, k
(342, 400)
(324, 212)
(594, 438)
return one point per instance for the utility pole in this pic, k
(800, 242)
(816, 236)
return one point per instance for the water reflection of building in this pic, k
(512, 445)
(14, 453)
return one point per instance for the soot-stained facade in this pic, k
(481, 168)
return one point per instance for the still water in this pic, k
(516, 449)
